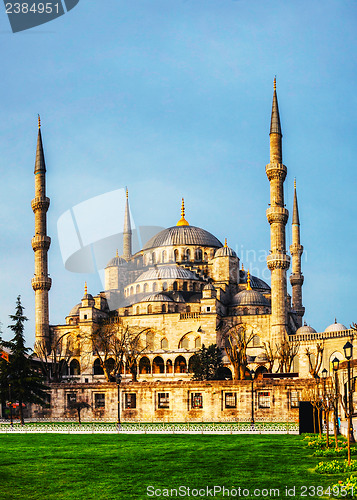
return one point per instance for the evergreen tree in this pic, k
(26, 384)
(207, 364)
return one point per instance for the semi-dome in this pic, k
(167, 272)
(75, 310)
(336, 327)
(305, 329)
(209, 286)
(157, 297)
(182, 236)
(249, 298)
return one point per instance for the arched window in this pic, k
(164, 286)
(245, 310)
(63, 367)
(158, 365)
(188, 309)
(163, 256)
(184, 286)
(198, 254)
(150, 337)
(164, 343)
(163, 308)
(169, 366)
(146, 288)
(137, 310)
(190, 367)
(198, 342)
(144, 365)
(176, 309)
(153, 258)
(154, 287)
(97, 369)
(131, 290)
(126, 312)
(137, 288)
(74, 367)
(109, 365)
(180, 365)
(149, 309)
(194, 287)
(257, 310)
(183, 343)
(187, 254)
(176, 255)
(205, 257)
(175, 286)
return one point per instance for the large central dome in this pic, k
(183, 235)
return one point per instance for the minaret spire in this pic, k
(127, 232)
(296, 250)
(278, 261)
(41, 282)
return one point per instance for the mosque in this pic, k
(182, 290)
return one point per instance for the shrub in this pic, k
(335, 467)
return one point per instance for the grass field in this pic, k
(46, 467)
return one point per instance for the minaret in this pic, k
(127, 232)
(278, 261)
(296, 250)
(41, 283)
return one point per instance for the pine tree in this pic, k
(26, 384)
(206, 364)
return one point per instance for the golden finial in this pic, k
(39, 121)
(225, 242)
(242, 267)
(275, 82)
(127, 193)
(182, 221)
(295, 183)
(117, 255)
(248, 281)
(85, 288)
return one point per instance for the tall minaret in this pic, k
(296, 250)
(278, 261)
(41, 283)
(127, 232)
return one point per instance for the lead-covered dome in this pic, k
(225, 252)
(75, 310)
(116, 261)
(182, 236)
(336, 327)
(305, 329)
(249, 298)
(157, 297)
(167, 273)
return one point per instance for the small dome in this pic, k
(209, 286)
(336, 327)
(157, 297)
(116, 261)
(167, 272)
(225, 252)
(250, 298)
(183, 235)
(305, 329)
(88, 296)
(75, 310)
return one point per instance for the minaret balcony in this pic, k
(277, 215)
(40, 203)
(296, 249)
(276, 171)
(278, 261)
(41, 283)
(41, 242)
(296, 279)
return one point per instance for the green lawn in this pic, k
(45, 467)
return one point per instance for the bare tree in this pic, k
(270, 355)
(286, 352)
(115, 346)
(315, 364)
(55, 355)
(236, 341)
(79, 406)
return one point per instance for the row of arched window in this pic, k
(163, 286)
(187, 254)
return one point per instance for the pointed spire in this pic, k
(127, 223)
(225, 242)
(275, 127)
(117, 254)
(40, 165)
(182, 221)
(296, 219)
(85, 288)
(127, 232)
(242, 266)
(248, 281)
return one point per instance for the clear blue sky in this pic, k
(172, 98)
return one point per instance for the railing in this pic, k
(190, 315)
(307, 337)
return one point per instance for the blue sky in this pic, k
(172, 98)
